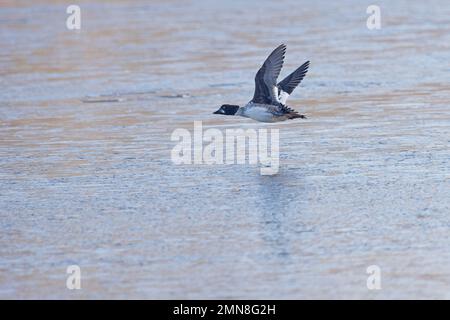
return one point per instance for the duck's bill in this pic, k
(217, 112)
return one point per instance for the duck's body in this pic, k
(267, 112)
(269, 100)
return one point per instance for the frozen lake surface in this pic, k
(86, 176)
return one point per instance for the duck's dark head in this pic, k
(227, 109)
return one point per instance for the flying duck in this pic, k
(269, 101)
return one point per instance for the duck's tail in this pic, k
(295, 115)
(291, 113)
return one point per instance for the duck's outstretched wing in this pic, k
(288, 84)
(266, 90)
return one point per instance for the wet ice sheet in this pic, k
(86, 176)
